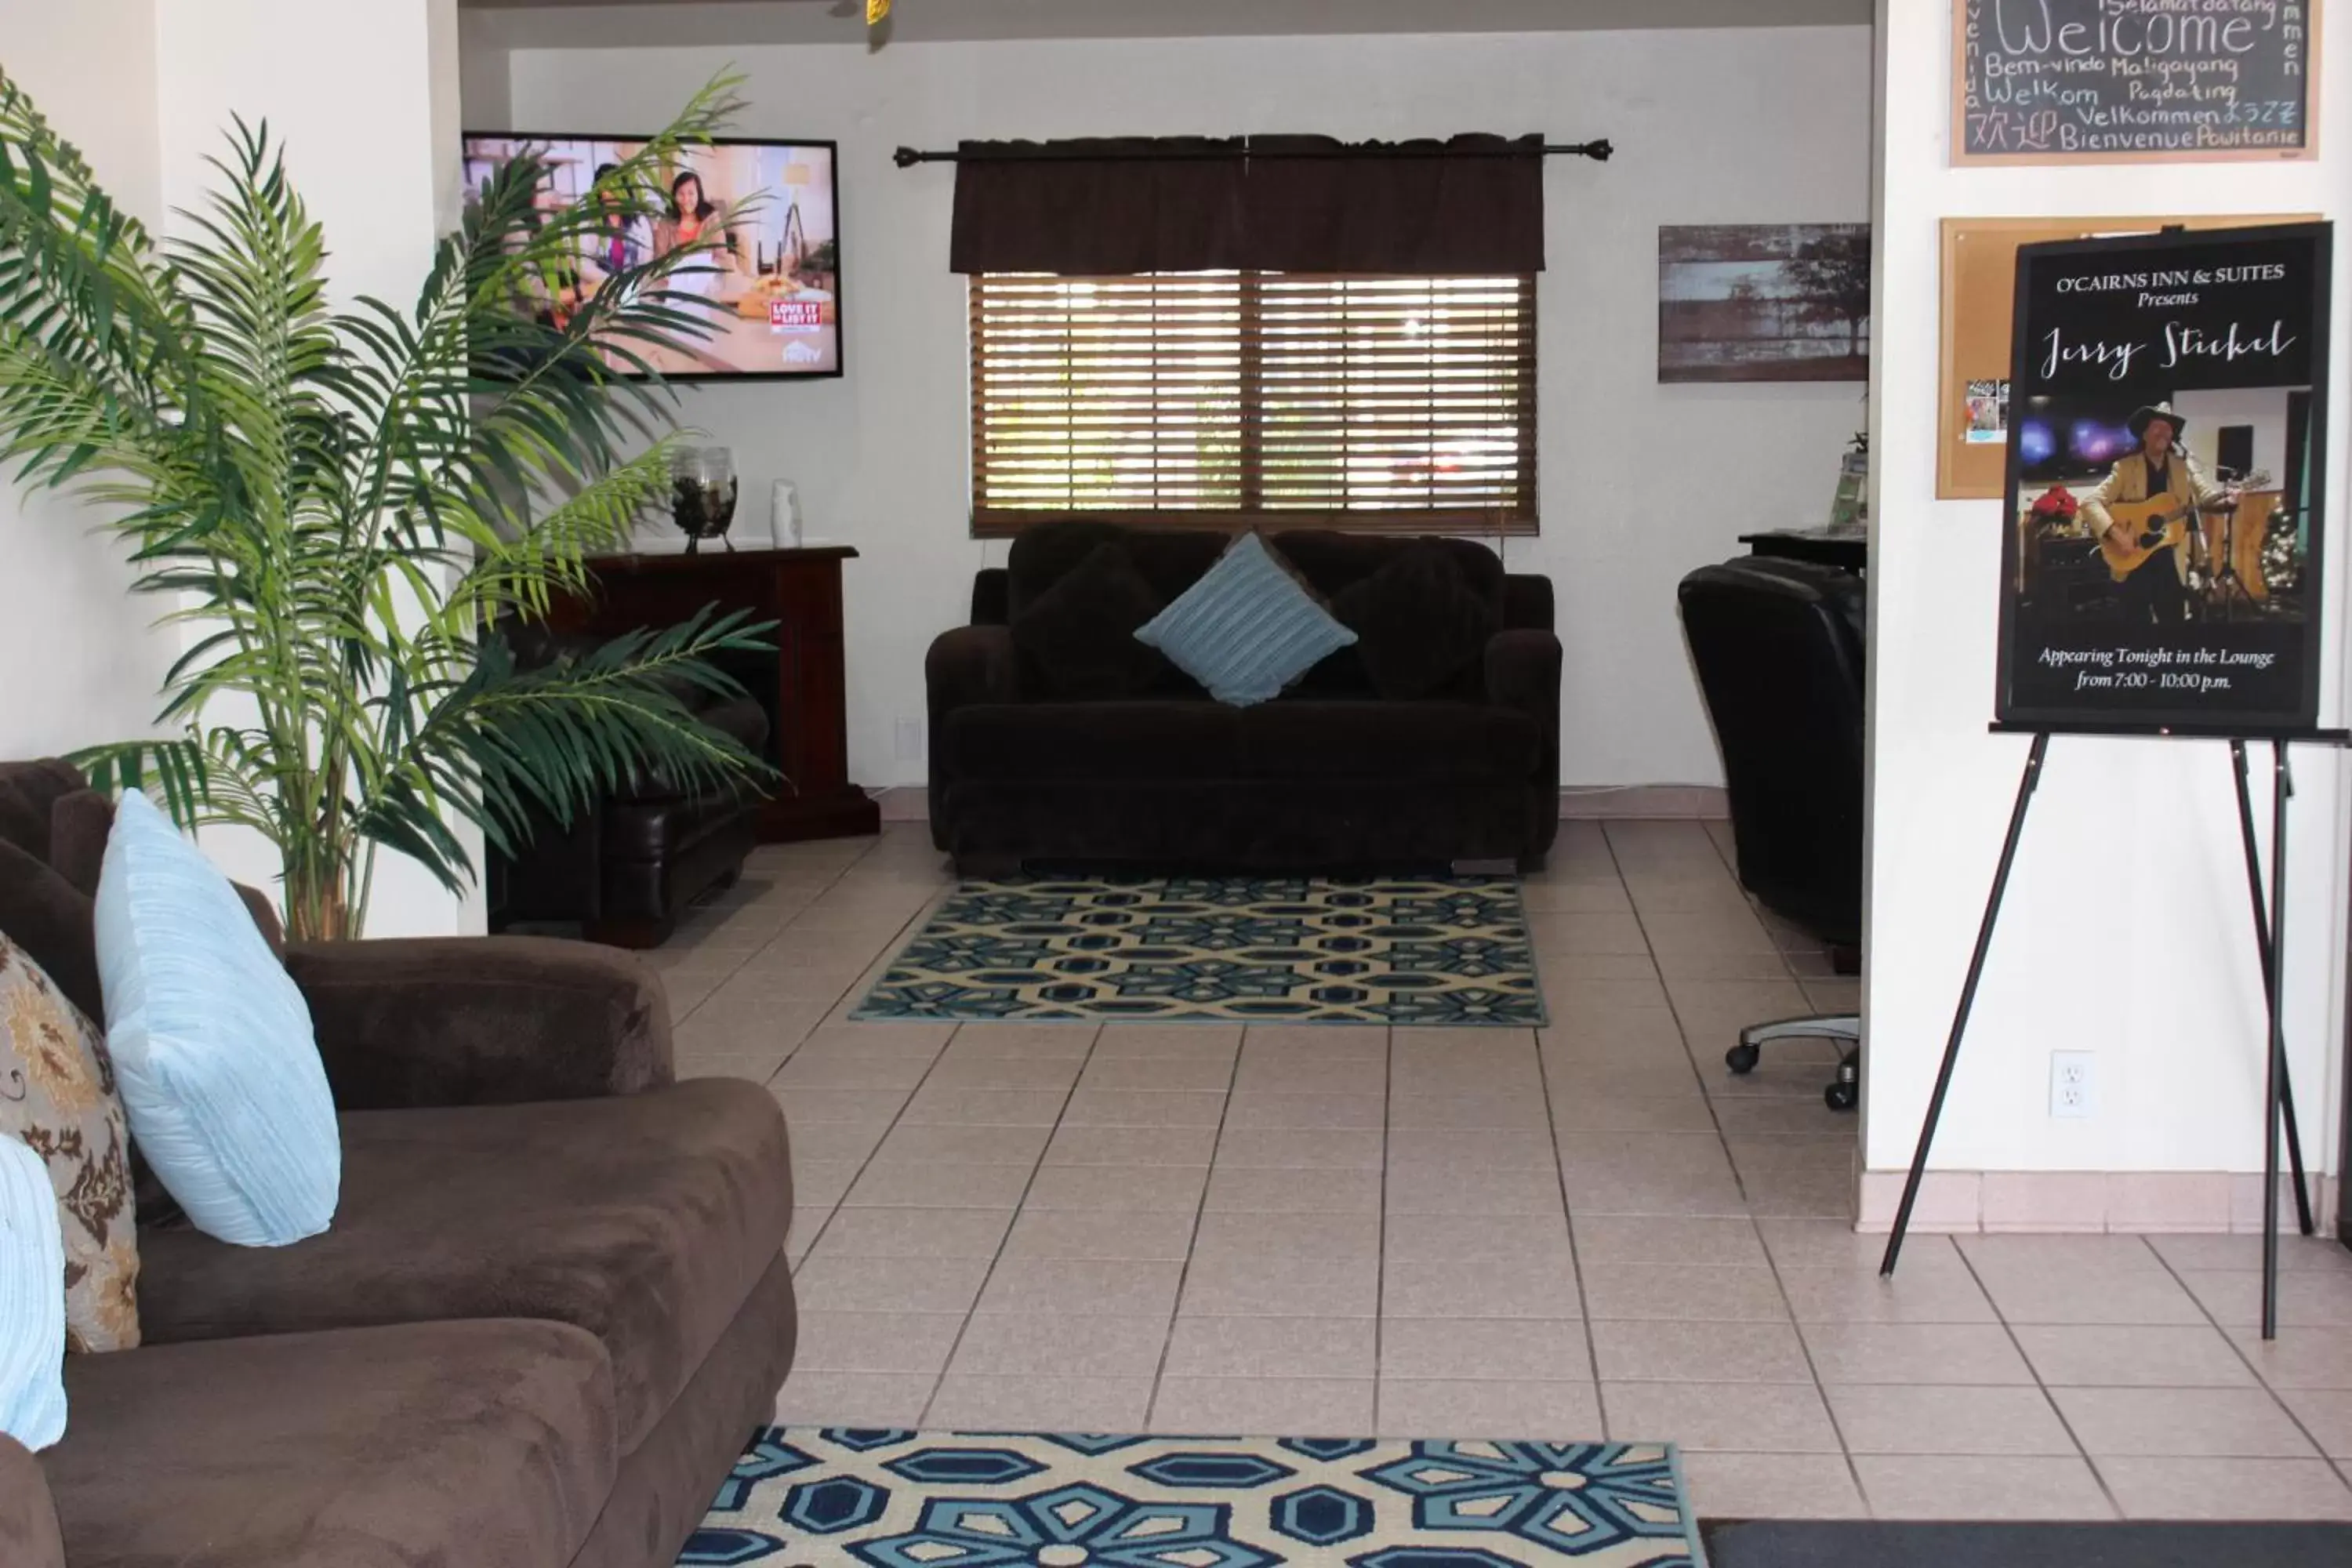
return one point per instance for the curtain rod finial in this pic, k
(1602, 150)
(906, 157)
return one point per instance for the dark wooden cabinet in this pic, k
(801, 686)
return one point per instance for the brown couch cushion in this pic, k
(645, 1219)
(1158, 742)
(79, 825)
(1418, 623)
(666, 1485)
(50, 919)
(27, 792)
(28, 1521)
(1335, 562)
(1143, 739)
(467, 1445)
(1171, 559)
(1077, 637)
(466, 1020)
(1454, 742)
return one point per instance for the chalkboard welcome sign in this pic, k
(2111, 82)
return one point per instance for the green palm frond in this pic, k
(341, 503)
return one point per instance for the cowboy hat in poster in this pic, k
(2162, 559)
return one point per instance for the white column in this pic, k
(2126, 931)
(365, 98)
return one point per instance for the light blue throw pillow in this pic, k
(213, 1052)
(1246, 629)
(32, 1301)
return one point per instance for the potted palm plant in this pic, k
(340, 503)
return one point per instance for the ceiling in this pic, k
(617, 23)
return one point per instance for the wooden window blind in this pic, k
(1400, 405)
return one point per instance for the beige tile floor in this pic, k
(1589, 1229)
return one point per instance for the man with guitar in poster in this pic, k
(2145, 517)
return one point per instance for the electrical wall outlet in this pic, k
(907, 740)
(2071, 1083)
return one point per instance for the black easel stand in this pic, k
(2270, 937)
(2285, 780)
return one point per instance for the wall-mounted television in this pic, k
(771, 277)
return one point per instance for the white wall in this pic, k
(1641, 482)
(364, 101)
(2126, 929)
(83, 661)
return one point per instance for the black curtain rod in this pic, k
(907, 157)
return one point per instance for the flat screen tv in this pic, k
(772, 279)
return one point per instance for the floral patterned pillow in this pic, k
(56, 1097)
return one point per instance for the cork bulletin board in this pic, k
(1979, 276)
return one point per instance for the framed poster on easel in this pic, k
(2163, 557)
(2165, 483)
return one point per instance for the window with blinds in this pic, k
(1405, 405)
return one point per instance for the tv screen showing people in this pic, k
(762, 219)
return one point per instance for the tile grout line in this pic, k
(888, 943)
(1193, 1240)
(835, 881)
(1805, 1349)
(769, 1083)
(890, 946)
(1713, 1116)
(1772, 1263)
(1805, 1000)
(1575, 1257)
(888, 1128)
(2009, 1330)
(2343, 1472)
(1006, 1240)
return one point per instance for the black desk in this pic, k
(1845, 548)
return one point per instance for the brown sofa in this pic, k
(1031, 760)
(552, 1308)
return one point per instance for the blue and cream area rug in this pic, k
(1297, 950)
(836, 1497)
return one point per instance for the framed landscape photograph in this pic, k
(1764, 302)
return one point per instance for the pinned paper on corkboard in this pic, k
(1979, 277)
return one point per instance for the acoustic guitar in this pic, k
(2156, 524)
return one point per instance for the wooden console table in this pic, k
(800, 590)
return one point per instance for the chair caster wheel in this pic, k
(1742, 1057)
(1841, 1096)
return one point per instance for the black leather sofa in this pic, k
(627, 868)
(1329, 776)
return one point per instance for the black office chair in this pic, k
(1779, 647)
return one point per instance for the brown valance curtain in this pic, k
(1470, 205)
(1062, 207)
